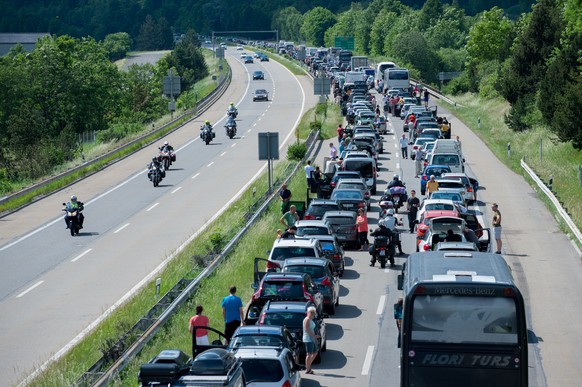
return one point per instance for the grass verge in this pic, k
(328, 115)
(541, 149)
(200, 90)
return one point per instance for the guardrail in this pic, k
(104, 377)
(554, 201)
(435, 93)
(195, 112)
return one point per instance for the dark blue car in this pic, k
(432, 169)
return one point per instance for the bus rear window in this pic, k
(398, 74)
(464, 320)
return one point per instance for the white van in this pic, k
(453, 159)
(447, 146)
(367, 168)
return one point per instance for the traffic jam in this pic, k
(359, 205)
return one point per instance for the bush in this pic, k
(117, 132)
(459, 85)
(297, 151)
(315, 125)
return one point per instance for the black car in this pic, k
(258, 75)
(264, 58)
(261, 95)
(266, 336)
(291, 314)
(318, 207)
(248, 59)
(284, 286)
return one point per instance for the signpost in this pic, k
(321, 87)
(344, 42)
(171, 87)
(269, 150)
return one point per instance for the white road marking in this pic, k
(248, 131)
(210, 164)
(152, 207)
(121, 228)
(233, 145)
(177, 189)
(29, 289)
(397, 155)
(254, 124)
(368, 360)
(380, 309)
(397, 165)
(80, 255)
(395, 146)
(222, 154)
(195, 176)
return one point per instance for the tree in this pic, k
(315, 23)
(148, 35)
(165, 37)
(118, 45)
(487, 36)
(411, 47)
(188, 60)
(431, 11)
(382, 24)
(288, 22)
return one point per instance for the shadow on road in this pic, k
(343, 291)
(349, 261)
(91, 233)
(332, 359)
(347, 311)
(308, 382)
(350, 275)
(334, 331)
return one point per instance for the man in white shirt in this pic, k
(404, 146)
(308, 171)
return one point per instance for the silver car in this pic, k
(269, 367)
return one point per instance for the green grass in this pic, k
(237, 270)
(328, 114)
(201, 89)
(559, 159)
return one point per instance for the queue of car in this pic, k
(304, 271)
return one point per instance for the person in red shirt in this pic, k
(200, 320)
(362, 227)
(340, 133)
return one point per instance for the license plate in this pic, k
(382, 253)
(348, 205)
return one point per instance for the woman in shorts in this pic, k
(310, 339)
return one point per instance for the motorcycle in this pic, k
(156, 174)
(399, 196)
(382, 250)
(230, 128)
(73, 219)
(207, 134)
(232, 113)
(166, 158)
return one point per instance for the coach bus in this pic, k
(463, 322)
(380, 68)
(396, 79)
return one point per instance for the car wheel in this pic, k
(331, 309)
(324, 346)
(337, 300)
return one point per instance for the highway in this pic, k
(120, 246)
(54, 286)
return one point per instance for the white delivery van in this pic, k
(453, 159)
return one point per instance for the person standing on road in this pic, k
(290, 217)
(285, 196)
(310, 339)
(199, 320)
(412, 205)
(362, 226)
(308, 173)
(425, 97)
(332, 151)
(404, 146)
(398, 309)
(340, 133)
(431, 186)
(497, 226)
(418, 156)
(232, 311)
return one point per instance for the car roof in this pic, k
(278, 276)
(310, 222)
(456, 246)
(336, 214)
(347, 190)
(283, 242)
(351, 181)
(448, 180)
(305, 261)
(254, 329)
(322, 201)
(292, 306)
(435, 214)
(436, 201)
(259, 352)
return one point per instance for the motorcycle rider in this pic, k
(207, 126)
(75, 205)
(166, 147)
(230, 122)
(391, 222)
(232, 110)
(155, 163)
(382, 230)
(396, 182)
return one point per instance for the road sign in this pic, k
(344, 42)
(219, 52)
(301, 54)
(269, 146)
(321, 86)
(171, 84)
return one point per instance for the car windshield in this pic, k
(291, 320)
(439, 206)
(436, 171)
(262, 370)
(328, 246)
(312, 230)
(313, 271)
(340, 220)
(283, 288)
(450, 184)
(446, 195)
(282, 253)
(355, 195)
(320, 210)
(359, 186)
(445, 159)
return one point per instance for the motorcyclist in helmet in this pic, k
(230, 122)
(166, 147)
(206, 126)
(232, 111)
(155, 163)
(382, 230)
(77, 205)
(396, 182)
(391, 222)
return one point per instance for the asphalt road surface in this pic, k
(54, 286)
